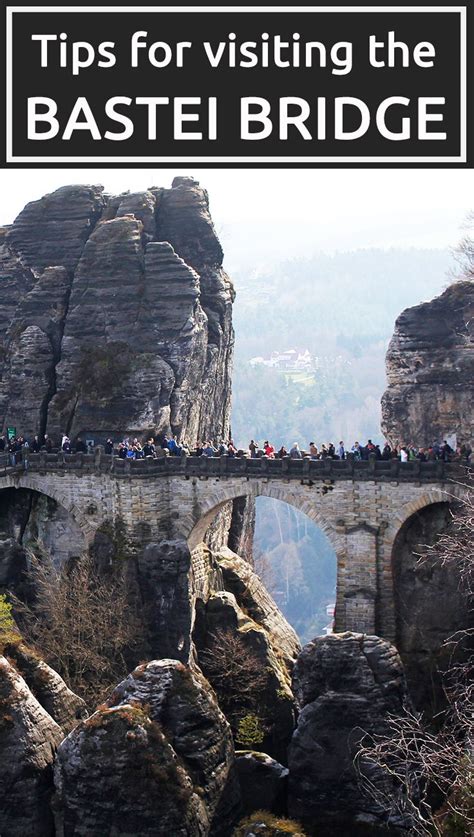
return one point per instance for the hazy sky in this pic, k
(265, 215)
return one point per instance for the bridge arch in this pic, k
(37, 483)
(435, 495)
(196, 524)
(427, 498)
(309, 501)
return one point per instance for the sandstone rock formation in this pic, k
(254, 598)
(430, 371)
(158, 760)
(236, 616)
(28, 740)
(33, 522)
(49, 689)
(263, 782)
(117, 321)
(345, 684)
(118, 315)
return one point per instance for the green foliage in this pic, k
(263, 822)
(249, 731)
(8, 633)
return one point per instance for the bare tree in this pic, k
(433, 768)
(82, 623)
(235, 672)
(464, 252)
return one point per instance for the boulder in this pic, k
(346, 686)
(263, 782)
(156, 759)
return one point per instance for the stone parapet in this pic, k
(304, 469)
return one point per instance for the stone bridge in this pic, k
(362, 507)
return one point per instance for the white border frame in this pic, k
(264, 160)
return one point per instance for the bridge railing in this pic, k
(203, 467)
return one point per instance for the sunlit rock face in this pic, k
(430, 371)
(234, 616)
(28, 740)
(118, 315)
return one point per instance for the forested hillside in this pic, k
(341, 308)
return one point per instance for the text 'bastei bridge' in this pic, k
(361, 506)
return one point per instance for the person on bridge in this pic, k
(341, 452)
(446, 451)
(387, 452)
(231, 449)
(295, 452)
(269, 450)
(149, 448)
(356, 450)
(253, 448)
(313, 451)
(66, 445)
(209, 449)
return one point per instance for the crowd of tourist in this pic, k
(128, 448)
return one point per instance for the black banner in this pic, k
(322, 85)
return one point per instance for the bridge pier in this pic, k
(357, 590)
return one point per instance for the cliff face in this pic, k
(118, 316)
(430, 370)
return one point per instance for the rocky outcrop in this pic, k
(118, 321)
(162, 576)
(157, 760)
(28, 740)
(256, 601)
(430, 370)
(346, 685)
(247, 669)
(242, 528)
(49, 689)
(263, 782)
(266, 824)
(235, 617)
(118, 315)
